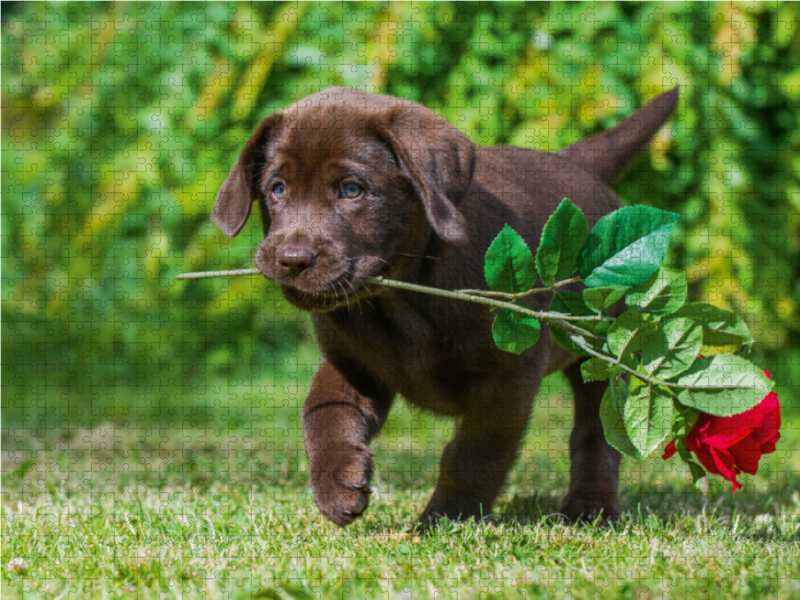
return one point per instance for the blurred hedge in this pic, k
(120, 120)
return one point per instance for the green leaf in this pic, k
(595, 369)
(572, 303)
(610, 415)
(684, 422)
(647, 414)
(625, 333)
(724, 385)
(619, 391)
(626, 247)
(672, 348)
(721, 328)
(563, 237)
(515, 332)
(603, 297)
(662, 294)
(697, 470)
(509, 265)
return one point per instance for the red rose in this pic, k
(728, 446)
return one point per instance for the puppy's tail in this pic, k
(609, 153)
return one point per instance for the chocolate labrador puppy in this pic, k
(352, 185)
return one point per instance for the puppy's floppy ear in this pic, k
(240, 189)
(437, 158)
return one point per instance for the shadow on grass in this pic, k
(758, 515)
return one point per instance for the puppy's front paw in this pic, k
(340, 482)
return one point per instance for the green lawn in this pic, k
(173, 512)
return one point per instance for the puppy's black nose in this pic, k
(294, 260)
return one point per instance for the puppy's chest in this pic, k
(425, 361)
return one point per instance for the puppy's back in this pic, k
(527, 181)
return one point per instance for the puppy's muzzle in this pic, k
(293, 260)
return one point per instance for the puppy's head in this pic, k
(350, 184)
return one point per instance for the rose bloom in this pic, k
(728, 446)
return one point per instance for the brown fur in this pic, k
(432, 203)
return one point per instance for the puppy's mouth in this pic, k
(326, 288)
(340, 293)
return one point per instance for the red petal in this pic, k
(769, 431)
(704, 456)
(669, 451)
(725, 466)
(768, 446)
(725, 433)
(746, 455)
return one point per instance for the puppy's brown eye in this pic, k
(351, 190)
(279, 190)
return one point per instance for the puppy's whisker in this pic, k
(418, 256)
(355, 294)
(335, 291)
(360, 282)
(347, 281)
(346, 297)
(378, 257)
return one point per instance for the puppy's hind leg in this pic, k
(594, 468)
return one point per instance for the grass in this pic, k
(198, 512)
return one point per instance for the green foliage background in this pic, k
(120, 121)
